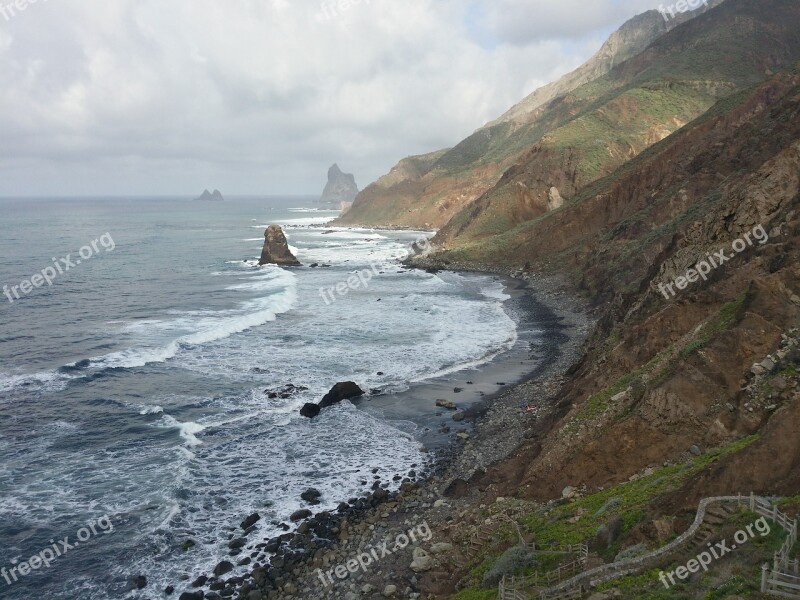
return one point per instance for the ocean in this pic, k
(134, 388)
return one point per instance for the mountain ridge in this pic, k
(427, 190)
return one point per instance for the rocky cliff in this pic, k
(340, 189)
(677, 370)
(700, 379)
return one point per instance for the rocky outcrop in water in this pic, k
(206, 196)
(276, 249)
(346, 390)
(340, 189)
(340, 392)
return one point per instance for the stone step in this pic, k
(716, 519)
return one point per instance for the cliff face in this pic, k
(341, 188)
(665, 374)
(428, 190)
(690, 256)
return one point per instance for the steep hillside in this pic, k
(641, 101)
(426, 191)
(676, 371)
(692, 390)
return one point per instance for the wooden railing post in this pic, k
(764, 570)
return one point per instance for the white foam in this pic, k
(63, 426)
(496, 292)
(48, 381)
(242, 263)
(349, 234)
(305, 221)
(187, 430)
(211, 327)
(471, 364)
(174, 509)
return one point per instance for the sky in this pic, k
(260, 97)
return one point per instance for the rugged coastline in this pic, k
(490, 428)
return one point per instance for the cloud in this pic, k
(524, 21)
(147, 97)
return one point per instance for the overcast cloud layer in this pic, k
(135, 97)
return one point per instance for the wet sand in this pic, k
(540, 334)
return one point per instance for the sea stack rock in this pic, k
(206, 196)
(276, 249)
(341, 189)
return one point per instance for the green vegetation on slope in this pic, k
(577, 521)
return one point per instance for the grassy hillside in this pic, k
(591, 132)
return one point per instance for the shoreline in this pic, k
(477, 386)
(287, 567)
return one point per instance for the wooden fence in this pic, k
(510, 586)
(782, 580)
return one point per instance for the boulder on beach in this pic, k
(300, 515)
(422, 561)
(276, 249)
